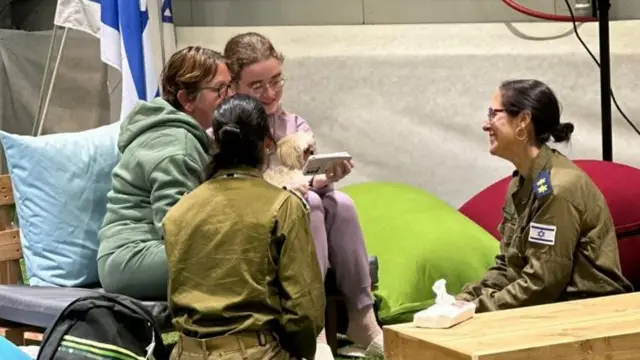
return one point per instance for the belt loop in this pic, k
(180, 346)
(243, 350)
(262, 339)
(203, 348)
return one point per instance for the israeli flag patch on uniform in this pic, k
(542, 234)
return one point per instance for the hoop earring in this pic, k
(521, 138)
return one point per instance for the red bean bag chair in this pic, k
(620, 185)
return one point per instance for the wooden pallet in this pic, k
(10, 255)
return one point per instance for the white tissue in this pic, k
(446, 312)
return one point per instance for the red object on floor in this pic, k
(620, 185)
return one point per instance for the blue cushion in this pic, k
(10, 351)
(60, 183)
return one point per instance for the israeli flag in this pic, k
(125, 41)
(542, 234)
(169, 43)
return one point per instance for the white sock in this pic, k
(363, 327)
(375, 350)
(323, 352)
(322, 337)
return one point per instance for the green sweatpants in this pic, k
(138, 270)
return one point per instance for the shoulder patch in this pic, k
(542, 234)
(542, 184)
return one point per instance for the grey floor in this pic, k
(408, 101)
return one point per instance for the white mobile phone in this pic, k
(318, 164)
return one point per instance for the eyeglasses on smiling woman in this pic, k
(274, 84)
(221, 90)
(491, 114)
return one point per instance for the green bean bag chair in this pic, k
(418, 239)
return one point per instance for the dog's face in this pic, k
(295, 149)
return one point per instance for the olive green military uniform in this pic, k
(558, 241)
(244, 280)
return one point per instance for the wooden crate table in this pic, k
(605, 328)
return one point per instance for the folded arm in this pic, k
(550, 245)
(495, 278)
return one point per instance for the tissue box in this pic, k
(440, 316)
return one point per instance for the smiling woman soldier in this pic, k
(558, 238)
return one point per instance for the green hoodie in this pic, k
(165, 154)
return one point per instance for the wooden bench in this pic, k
(599, 328)
(10, 269)
(11, 273)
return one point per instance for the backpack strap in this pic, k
(157, 347)
(56, 332)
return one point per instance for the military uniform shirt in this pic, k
(558, 241)
(241, 258)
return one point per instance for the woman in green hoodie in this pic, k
(164, 154)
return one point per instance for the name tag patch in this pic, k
(542, 234)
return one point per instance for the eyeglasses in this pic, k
(222, 91)
(491, 114)
(275, 85)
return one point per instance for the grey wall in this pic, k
(352, 12)
(408, 101)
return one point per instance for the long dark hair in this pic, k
(240, 126)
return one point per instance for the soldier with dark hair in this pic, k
(558, 238)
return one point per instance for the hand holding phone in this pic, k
(320, 163)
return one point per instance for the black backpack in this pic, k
(103, 327)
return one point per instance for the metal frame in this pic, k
(43, 102)
(602, 7)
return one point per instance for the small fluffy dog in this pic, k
(293, 151)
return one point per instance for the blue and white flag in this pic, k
(168, 30)
(125, 41)
(542, 234)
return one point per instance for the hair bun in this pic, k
(562, 132)
(230, 134)
(231, 129)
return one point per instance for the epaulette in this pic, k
(542, 184)
(305, 204)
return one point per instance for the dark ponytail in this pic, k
(240, 126)
(230, 137)
(562, 132)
